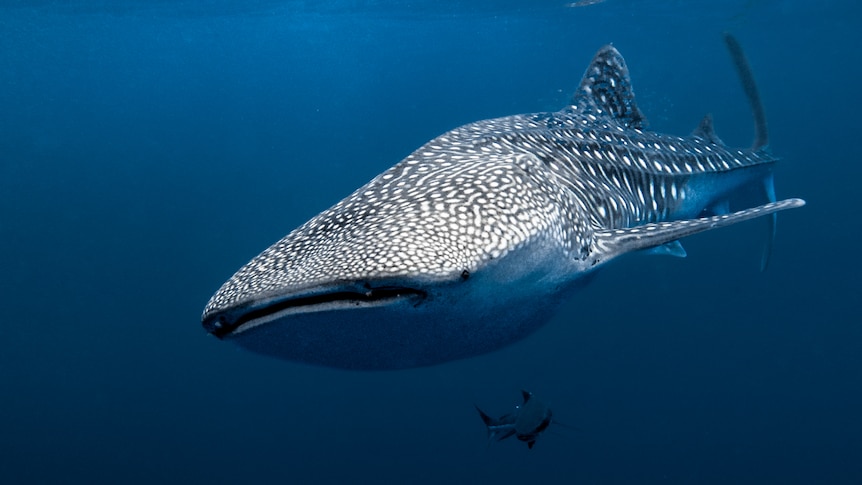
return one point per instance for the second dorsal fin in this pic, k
(606, 90)
(706, 131)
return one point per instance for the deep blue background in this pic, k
(148, 149)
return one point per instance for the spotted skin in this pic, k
(487, 216)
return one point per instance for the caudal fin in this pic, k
(746, 76)
(498, 429)
(488, 420)
(761, 134)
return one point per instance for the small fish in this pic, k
(528, 421)
(582, 3)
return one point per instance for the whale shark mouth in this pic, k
(239, 319)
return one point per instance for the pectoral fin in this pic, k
(612, 243)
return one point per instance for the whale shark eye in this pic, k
(465, 274)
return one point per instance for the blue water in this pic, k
(148, 149)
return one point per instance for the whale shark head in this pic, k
(423, 264)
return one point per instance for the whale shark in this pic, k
(471, 242)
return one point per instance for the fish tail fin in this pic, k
(746, 76)
(489, 425)
(771, 222)
(488, 420)
(761, 134)
(498, 429)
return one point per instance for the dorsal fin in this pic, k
(527, 395)
(706, 131)
(606, 90)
